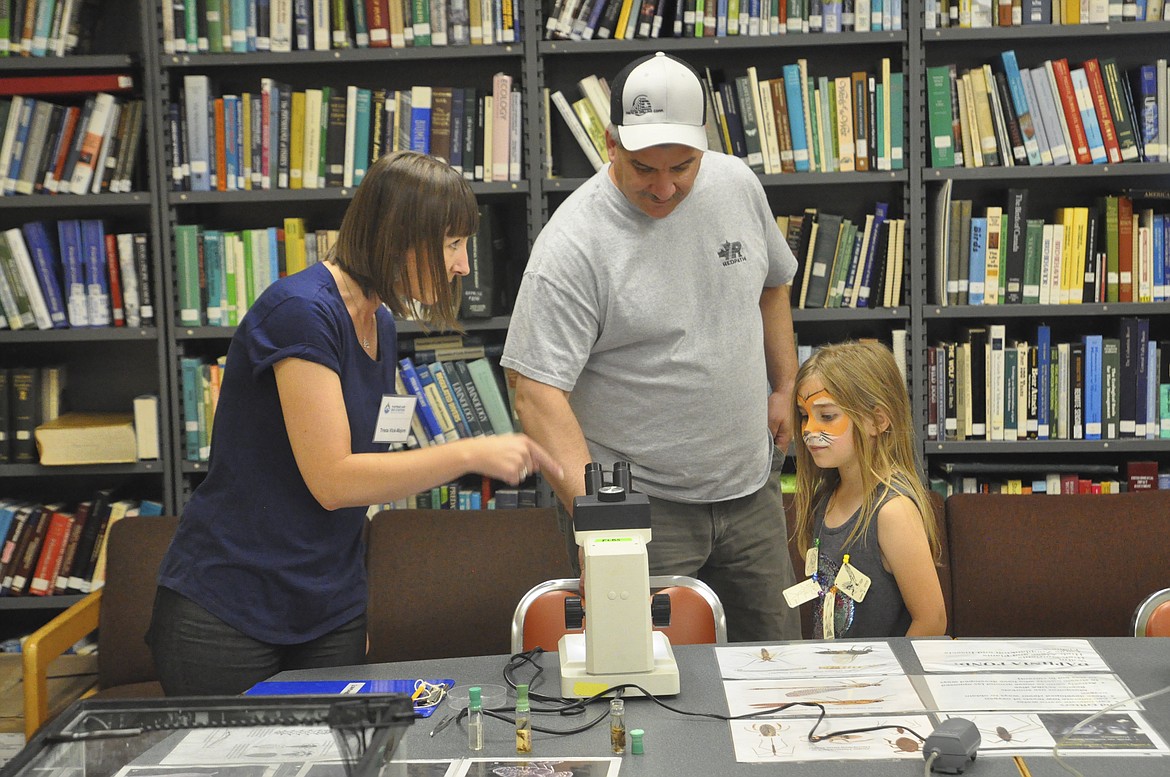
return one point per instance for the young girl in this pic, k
(859, 498)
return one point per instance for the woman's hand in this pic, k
(511, 458)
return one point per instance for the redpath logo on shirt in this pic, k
(731, 253)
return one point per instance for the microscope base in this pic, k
(577, 682)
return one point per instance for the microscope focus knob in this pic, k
(611, 494)
(574, 612)
(660, 610)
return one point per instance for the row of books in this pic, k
(1110, 251)
(989, 386)
(73, 273)
(218, 26)
(57, 548)
(220, 273)
(455, 399)
(29, 396)
(47, 28)
(845, 264)
(280, 138)
(1051, 114)
(51, 148)
(629, 19)
(799, 122)
(984, 478)
(464, 496)
(985, 14)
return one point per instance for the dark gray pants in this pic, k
(739, 547)
(197, 654)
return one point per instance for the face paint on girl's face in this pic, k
(822, 422)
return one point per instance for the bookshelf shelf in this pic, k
(363, 56)
(85, 202)
(37, 471)
(813, 315)
(1045, 447)
(70, 64)
(979, 312)
(187, 333)
(94, 335)
(1034, 32)
(1152, 170)
(682, 46)
(39, 602)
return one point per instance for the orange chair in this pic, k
(1152, 617)
(696, 613)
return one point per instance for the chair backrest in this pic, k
(1152, 617)
(443, 583)
(1069, 565)
(136, 546)
(696, 614)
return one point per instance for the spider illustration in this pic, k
(768, 733)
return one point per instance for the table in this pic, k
(678, 745)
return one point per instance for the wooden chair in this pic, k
(443, 583)
(696, 614)
(120, 612)
(1152, 617)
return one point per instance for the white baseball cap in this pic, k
(656, 100)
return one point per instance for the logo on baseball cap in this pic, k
(656, 100)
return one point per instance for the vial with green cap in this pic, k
(523, 720)
(636, 735)
(474, 718)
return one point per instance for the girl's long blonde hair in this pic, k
(864, 380)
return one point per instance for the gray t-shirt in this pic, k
(654, 327)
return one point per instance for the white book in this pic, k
(8, 144)
(146, 426)
(350, 130)
(1047, 113)
(1021, 387)
(128, 274)
(592, 88)
(1053, 90)
(579, 133)
(516, 138)
(322, 32)
(1046, 240)
(1163, 143)
(280, 25)
(28, 278)
(754, 89)
(196, 90)
(1063, 392)
(99, 166)
(487, 19)
(996, 335)
(1054, 281)
(488, 140)
(772, 160)
(438, 23)
(1041, 139)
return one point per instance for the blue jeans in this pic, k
(197, 654)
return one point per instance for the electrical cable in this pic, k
(576, 706)
(1069, 734)
(929, 763)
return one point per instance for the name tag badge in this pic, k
(394, 418)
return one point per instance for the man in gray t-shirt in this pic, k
(653, 326)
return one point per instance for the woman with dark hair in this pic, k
(266, 571)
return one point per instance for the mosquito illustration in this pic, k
(846, 686)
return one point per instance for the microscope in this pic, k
(612, 524)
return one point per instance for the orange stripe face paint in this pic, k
(823, 421)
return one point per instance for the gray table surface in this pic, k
(684, 745)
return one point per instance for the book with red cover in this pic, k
(114, 270)
(66, 84)
(1072, 113)
(1101, 106)
(52, 553)
(1142, 475)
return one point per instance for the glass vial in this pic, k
(523, 720)
(474, 719)
(617, 725)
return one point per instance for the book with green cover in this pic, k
(939, 117)
(1033, 252)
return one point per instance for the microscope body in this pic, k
(612, 525)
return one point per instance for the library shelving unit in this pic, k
(1048, 187)
(105, 367)
(321, 208)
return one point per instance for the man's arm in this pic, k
(549, 420)
(780, 356)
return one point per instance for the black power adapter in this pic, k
(954, 744)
